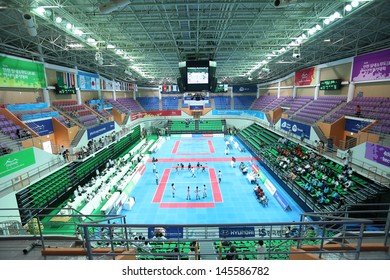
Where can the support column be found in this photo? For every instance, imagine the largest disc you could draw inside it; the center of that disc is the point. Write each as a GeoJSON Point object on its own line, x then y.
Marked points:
{"type": "Point", "coordinates": [78, 92]}
{"type": "Point", "coordinates": [46, 96]}
{"type": "Point", "coordinates": [316, 92]}
{"type": "Point", "coordinates": [279, 89]}
{"type": "Point", "coordinates": [351, 91]}
{"type": "Point", "coordinates": [78, 96]}
{"type": "Point", "coordinates": [114, 89]}
{"type": "Point", "coordinates": [317, 88]}
{"type": "Point", "coordinates": [294, 91]}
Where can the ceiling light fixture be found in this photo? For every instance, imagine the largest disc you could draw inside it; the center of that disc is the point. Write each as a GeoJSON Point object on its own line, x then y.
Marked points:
{"type": "Point", "coordinates": [355, 3]}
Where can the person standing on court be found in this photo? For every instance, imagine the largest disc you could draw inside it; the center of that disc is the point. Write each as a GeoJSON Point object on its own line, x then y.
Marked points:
{"type": "Point", "coordinates": [154, 167]}
{"type": "Point", "coordinates": [188, 193]}
{"type": "Point", "coordinates": [173, 190]}
{"type": "Point", "coordinates": [157, 178]}
{"type": "Point", "coordinates": [197, 193]}
{"type": "Point", "coordinates": [219, 176]}
{"type": "Point", "coordinates": [204, 191]}
{"type": "Point", "coordinates": [193, 172]}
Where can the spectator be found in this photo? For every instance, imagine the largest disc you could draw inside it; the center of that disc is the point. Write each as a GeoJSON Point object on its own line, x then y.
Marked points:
{"type": "Point", "coordinates": [232, 253]}
{"type": "Point", "coordinates": [358, 111]}
{"type": "Point", "coordinates": [260, 248]}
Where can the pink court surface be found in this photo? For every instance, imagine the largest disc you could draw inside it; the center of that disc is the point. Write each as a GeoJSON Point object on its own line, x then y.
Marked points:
{"type": "Point", "coordinates": [230, 200]}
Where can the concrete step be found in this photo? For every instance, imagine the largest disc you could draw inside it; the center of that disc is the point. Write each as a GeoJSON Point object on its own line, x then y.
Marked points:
{"type": "Point", "coordinates": [207, 250]}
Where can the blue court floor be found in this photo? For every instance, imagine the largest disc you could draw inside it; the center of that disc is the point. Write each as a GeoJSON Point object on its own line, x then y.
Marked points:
{"type": "Point", "coordinates": [230, 201]}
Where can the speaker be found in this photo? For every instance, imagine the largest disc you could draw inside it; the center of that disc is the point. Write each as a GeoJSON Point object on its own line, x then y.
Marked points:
{"type": "Point", "coordinates": [213, 84]}
{"type": "Point", "coordinates": [180, 84]}
{"type": "Point", "coordinates": [30, 24]}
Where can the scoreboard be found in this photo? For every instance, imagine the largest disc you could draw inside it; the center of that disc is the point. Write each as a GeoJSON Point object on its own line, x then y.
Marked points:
{"type": "Point", "coordinates": [330, 84]}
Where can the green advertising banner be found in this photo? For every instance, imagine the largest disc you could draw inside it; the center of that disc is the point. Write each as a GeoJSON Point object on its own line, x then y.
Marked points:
{"type": "Point", "coordinates": [16, 161]}
{"type": "Point", "coordinates": [20, 73]}
{"type": "Point", "coordinates": [262, 177]}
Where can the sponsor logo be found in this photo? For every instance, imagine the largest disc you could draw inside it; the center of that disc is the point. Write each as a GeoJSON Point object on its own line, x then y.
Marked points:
{"type": "Point", "coordinates": [294, 128]}
{"type": "Point", "coordinates": [10, 163]}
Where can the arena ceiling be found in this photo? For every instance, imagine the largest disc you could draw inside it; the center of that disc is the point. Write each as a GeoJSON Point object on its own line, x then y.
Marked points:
{"type": "Point", "coordinates": [143, 41]}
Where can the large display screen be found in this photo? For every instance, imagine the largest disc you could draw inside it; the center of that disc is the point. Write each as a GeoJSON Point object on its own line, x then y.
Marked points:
{"type": "Point", "coordinates": [197, 75]}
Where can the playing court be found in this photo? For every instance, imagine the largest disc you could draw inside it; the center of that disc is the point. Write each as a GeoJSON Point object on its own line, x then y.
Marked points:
{"type": "Point", "coordinates": [230, 201]}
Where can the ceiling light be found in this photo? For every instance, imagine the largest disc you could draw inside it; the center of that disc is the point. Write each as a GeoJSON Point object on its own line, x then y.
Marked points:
{"type": "Point", "coordinates": [337, 15]}
{"type": "Point", "coordinates": [58, 19]}
{"type": "Point", "coordinates": [40, 10]}
{"type": "Point", "coordinates": [69, 26]}
{"type": "Point", "coordinates": [78, 32]}
{"type": "Point", "coordinates": [326, 21]}
{"type": "Point", "coordinates": [75, 45]}
{"type": "Point", "coordinates": [91, 40]}
{"type": "Point", "coordinates": [109, 46]}
{"type": "Point", "coordinates": [348, 8]}
{"type": "Point", "coordinates": [355, 3]}
{"type": "Point", "coordinates": [318, 27]}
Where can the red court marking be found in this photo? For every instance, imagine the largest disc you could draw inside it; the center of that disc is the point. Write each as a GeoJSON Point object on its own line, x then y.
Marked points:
{"type": "Point", "coordinates": [215, 186]}
{"type": "Point", "coordinates": [186, 167]}
{"type": "Point", "coordinates": [202, 159]}
{"type": "Point", "coordinates": [192, 154]}
{"type": "Point", "coordinates": [142, 169]}
{"type": "Point", "coordinates": [211, 147]}
{"type": "Point", "coordinates": [207, 135]}
{"type": "Point", "coordinates": [187, 205]}
{"type": "Point", "coordinates": [176, 147]}
{"type": "Point", "coordinates": [161, 186]}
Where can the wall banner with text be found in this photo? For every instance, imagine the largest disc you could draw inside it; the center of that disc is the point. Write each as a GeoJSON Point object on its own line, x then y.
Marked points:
{"type": "Point", "coordinates": [21, 73]}
{"type": "Point", "coordinates": [306, 77]}
{"type": "Point", "coordinates": [372, 66]}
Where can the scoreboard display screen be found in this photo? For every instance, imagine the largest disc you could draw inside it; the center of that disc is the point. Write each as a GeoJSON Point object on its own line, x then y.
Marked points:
{"type": "Point", "coordinates": [65, 89]}
{"type": "Point", "coordinates": [330, 84]}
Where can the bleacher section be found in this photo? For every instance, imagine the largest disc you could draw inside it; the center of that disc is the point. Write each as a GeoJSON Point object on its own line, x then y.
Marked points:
{"type": "Point", "coordinates": [121, 108]}
{"type": "Point", "coordinates": [315, 110]}
{"type": "Point", "coordinates": [31, 111]}
{"type": "Point", "coordinates": [196, 126]}
{"type": "Point", "coordinates": [262, 102]}
{"type": "Point", "coordinates": [9, 128]}
{"type": "Point", "coordinates": [209, 126]}
{"type": "Point", "coordinates": [222, 102]}
{"type": "Point", "coordinates": [178, 127]}
{"type": "Point", "coordinates": [170, 103]}
{"type": "Point", "coordinates": [376, 108]}
{"type": "Point", "coordinates": [130, 104]}
{"type": "Point", "coordinates": [297, 103]}
{"type": "Point", "coordinates": [276, 103]}
{"type": "Point", "coordinates": [54, 189]}
{"type": "Point", "coordinates": [79, 113]}
{"type": "Point", "coordinates": [43, 193]}
{"type": "Point", "coordinates": [289, 161]}
{"type": "Point", "coordinates": [100, 106]}
{"type": "Point", "coordinates": [149, 103]}
{"type": "Point", "coordinates": [243, 102]}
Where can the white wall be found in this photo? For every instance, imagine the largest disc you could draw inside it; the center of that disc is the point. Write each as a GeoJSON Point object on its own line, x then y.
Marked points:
{"type": "Point", "coordinates": [9, 201]}
{"type": "Point", "coordinates": [41, 158]}
{"type": "Point", "coordinates": [358, 156]}
{"type": "Point", "coordinates": [240, 124]}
